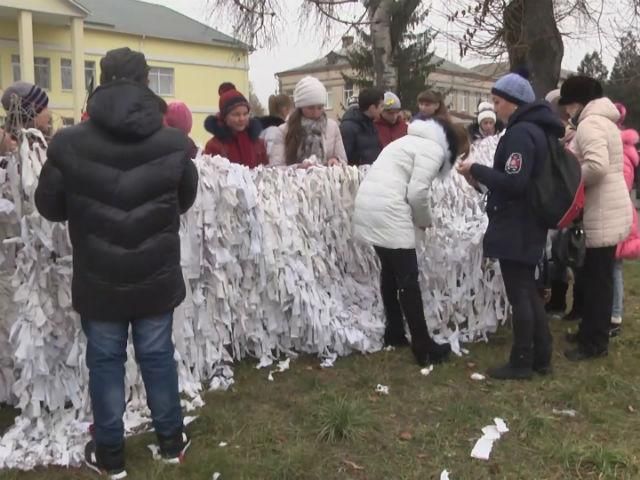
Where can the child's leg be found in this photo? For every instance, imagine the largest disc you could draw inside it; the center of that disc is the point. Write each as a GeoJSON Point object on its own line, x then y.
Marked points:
{"type": "Point", "coordinates": [618, 293]}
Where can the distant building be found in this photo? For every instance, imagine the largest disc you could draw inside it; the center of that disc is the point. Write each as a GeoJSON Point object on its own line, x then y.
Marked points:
{"type": "Point", "coordinates": [497, 69]}
{"type": "Point", "coordinates": [466, 88]}
{"type": "Point", "coordinates": [58, 44]}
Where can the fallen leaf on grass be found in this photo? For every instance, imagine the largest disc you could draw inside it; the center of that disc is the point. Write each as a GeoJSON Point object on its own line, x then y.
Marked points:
{"type": "Point", "coordinates": [471, 365]}
{"type": "Point", "coordinates": [352, 465]}
{"type": "Point", "coordinates": [406, 436]}
{"type": "Point", "coordinates": [422, 455]}
{"type": "Point", "coordinates": [631, 409]}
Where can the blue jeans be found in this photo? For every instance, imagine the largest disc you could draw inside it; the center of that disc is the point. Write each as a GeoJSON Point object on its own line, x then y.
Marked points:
{"type": "Point", "coordinates": [106, 357]}
{"type": "Point", "coordinates": [618, 290]}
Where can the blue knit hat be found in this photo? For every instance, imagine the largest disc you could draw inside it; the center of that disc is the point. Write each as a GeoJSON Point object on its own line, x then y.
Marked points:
{"type": "Point", "coordinates": [515, 88]}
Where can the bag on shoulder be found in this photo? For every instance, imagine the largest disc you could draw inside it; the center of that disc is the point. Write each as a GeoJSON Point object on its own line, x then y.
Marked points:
{"type": "Point", "coordinates": [556, 192]}
{"type": "Point", "coordinates": [569, 247]}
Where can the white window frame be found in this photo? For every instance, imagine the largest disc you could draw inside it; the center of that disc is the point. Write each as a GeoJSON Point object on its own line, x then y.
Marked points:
{"type": "Point", "coordinates": [40, 63]}
{"type": "Point", "coordinates": [15, 67]}
{"type": "Point", "coordinates": [66, 65]}
{"type": "Point", "coordinates": [348, 92]}
{"type": "Point", "coordinates": [155, 73]}
{"type": "Point", "coordinates": [89, 68]}
{"type": "Point", "coordinates": [329, 104]}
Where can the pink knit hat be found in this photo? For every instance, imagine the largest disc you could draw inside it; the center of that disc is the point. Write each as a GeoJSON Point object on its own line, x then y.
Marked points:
{"type": "Point", "coordinates": [179, 116]}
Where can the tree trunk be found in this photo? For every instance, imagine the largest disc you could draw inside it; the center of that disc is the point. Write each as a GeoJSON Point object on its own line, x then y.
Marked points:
{"type": "Point", "coordinates": [534, 41]}
{"type": "Point", "coordinates": [379, 13]}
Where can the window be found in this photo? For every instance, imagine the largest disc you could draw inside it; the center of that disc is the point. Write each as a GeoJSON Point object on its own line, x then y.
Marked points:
{"type": "Point", "coordinates": [348, 93]}
{"type": "Point", "coordinates": [89, 75]}
{"type": "Point", "coordinates": [161, 81]}
{"type": "Point", "coordinates": [42, 72]}
{"type": "Point", "coordinates": [463, 101]}
{"type": "Point", "coordinates": [15, 66]}
{"type": "Point", "coordinates": [329, 105]}
{"type": "Point", "coordinates": [66, 74]}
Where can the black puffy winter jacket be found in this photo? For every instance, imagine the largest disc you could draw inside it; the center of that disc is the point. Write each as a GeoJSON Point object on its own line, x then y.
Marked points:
{"type": "Point", "coordinates": [122, 180]}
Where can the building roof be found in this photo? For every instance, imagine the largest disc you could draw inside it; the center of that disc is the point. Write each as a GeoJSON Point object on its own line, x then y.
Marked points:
{"type": "Point", "coordinates": [338, 58]}
{"type": "Point", "coordinates": [497, 69]}
{"type": "Point", "coordinates": [141, 18]}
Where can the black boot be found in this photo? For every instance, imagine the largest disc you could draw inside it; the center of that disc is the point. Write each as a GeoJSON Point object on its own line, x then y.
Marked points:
{"type": "Point", "coordinates": [424, 348]}
{"type": "Point", "coordinates": [519, 367]}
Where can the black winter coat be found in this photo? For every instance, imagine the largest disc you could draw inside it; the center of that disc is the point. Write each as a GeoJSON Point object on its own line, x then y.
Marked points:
{"type": "Point", "coordinates": [514, 232]}
{"type": "Point", "coordinates": [122, 180]}
{"type": "Point", "coordinates": [360, 138]}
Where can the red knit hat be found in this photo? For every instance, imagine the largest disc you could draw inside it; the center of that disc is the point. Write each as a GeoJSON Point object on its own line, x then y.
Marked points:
{"type": "Point", "coordinates": [230, 98]}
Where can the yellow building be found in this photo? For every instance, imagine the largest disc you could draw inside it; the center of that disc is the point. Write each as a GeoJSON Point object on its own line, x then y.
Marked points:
{"type": "Point", "coordinates": [58, 44]}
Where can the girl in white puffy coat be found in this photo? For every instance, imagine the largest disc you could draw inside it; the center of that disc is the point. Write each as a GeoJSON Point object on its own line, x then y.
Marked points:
{"type": "Point", "coordinates": [391, 206]}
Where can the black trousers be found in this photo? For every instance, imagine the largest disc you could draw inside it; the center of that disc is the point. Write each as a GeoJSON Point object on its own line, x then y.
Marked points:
{"type": "Point", "coordinates": [532, 341]}
{"type": "Point", "coordinates": [597, 282]}
{"type": "Point", "coordinates": [402, 298]}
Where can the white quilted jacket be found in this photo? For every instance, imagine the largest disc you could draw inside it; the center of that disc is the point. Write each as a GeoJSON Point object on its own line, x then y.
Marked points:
{"type": "Point", "coordinates": [393, 198]}
{"type": "Point", "coordinates": [608, 210]}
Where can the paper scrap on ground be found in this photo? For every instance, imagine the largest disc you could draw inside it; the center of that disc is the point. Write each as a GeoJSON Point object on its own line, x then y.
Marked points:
{"type": "Point", "coordinates": [382, 389]}
{"type": "Point", "coordinates": [427, 370]}
{"type": "Point", "coordinates": [565, 413]}
{"type": "Point", "coordinates": [284, 365]}
{"type": "Point", "coordinates": [478, 377]}
{"type": "Point", "coordinates": [155, 451]}
{"type": "Point", "coordinates": [389, 348]}
{"type": "Point", "coordinates": [223, 444]}
{"type": "Point", "coordinates": [188, 420]}
{"type": "Point", "coordinates": [270, 377]}
{"type": "Point", "coordinates": [216, 476]}
{"type": "Point", "coordinates": [490, 434]}
{"type": "Point", "coordinates": [329, 360]}
{"type": "Point", "coordinates": [444, 475]}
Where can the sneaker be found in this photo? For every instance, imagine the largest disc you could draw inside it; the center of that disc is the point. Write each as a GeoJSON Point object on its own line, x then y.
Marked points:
{"type": "Point", "coordinates": [109, 464]}
{"type": "Point", "coordinates": [173, 449]}
{"type": "Point", "coordinates": [615, 329]}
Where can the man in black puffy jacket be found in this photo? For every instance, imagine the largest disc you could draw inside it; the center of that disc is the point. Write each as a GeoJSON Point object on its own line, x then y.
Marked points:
{"type": "Point", "coordinates": [359, 133]}
{"type": "Point", "coordinates": [122, 180]}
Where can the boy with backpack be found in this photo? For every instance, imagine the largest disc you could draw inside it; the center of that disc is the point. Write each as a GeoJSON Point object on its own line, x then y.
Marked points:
{"type": "Point", "coordinates": [516, 236]}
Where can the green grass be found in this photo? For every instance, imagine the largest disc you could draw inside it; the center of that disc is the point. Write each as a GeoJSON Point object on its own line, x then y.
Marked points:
{"type": "Point", "coordinates": [330, 424]}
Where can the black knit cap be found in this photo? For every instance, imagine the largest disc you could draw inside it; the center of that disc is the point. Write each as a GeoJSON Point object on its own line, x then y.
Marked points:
{"type": "Point", "coordinates": [580, 89]}
{"type": "Point", "coordinates": [124, 63]}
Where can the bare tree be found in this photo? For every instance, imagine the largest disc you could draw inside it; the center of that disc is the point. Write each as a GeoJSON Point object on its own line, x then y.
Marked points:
{"type": "Point", "coordinates": [261, 23]}
{"type": "Point", "coordinates": [531, 32]}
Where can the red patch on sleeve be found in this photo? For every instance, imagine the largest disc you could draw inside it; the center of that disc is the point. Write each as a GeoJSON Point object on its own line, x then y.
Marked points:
{"type": "Point", "coordinates": [514, 164]}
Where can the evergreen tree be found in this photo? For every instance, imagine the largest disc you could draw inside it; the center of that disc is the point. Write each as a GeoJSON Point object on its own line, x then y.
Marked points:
{"type": "Point", "coordinates": [624, 83]}
{"type": "Point", "coordinates": [593, 66]}
{"type": "Point", "coordinates": [627, 64]}
{"type": "Point", "coordinates": [413, 58]}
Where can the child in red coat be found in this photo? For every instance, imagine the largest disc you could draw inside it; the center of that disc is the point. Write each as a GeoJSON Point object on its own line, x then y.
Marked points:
{"type": "Point", "coordinates": [236, 135]}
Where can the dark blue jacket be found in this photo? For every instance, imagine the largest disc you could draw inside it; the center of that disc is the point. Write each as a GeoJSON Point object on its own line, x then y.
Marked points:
{"type": "Point", "coordinates": [514, 232]}
{"type": "Point", "coordinates": [360, 138]}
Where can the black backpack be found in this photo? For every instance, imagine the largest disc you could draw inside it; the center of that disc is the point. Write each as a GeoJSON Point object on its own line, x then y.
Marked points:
{"type": "Point", "coordinates": [556, 192]}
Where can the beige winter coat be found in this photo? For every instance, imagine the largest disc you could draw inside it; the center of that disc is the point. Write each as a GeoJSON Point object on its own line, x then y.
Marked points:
{"type": "Point", "coordinates": [608, 209]}
{"type": "Point", "coordinates": [333, 146]}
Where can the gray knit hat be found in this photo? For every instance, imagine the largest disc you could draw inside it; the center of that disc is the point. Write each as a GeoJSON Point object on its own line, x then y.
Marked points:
{"type": "Point", "coordinates": [391, 101]}
{"type": "Point", "coordinates": [31, 98]}
{"type": "Point", "coordinates": [515, 88]}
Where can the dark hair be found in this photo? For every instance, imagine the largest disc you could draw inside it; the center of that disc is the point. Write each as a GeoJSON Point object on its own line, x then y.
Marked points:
{"type": "Point", "coordinates": [370, 96]}
{"type": "Point", "coordinates": [432, 96]}
{"type": "Point", "coordinates": [279, 102]}
{"type": "Point", "coordinates": [457, 138]}
{"type": "Point", "coordinates": [293, 137]}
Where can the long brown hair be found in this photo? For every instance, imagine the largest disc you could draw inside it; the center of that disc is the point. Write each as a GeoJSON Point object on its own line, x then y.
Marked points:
{"type": "Point", "coordinates": [293, 137]}
{"type": "Point", "coordinates": [431, 96]}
